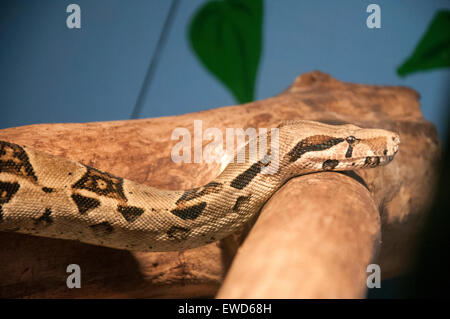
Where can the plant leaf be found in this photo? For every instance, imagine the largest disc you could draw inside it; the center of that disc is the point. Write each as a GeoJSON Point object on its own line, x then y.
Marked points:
{"type": "Point", "coordinates": [227, 38]}
{"type": "Point", "coordinates": [433, 50]}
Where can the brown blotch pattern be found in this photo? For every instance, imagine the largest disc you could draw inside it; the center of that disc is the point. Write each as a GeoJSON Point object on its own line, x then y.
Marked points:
{"type": "Point", "coordinates": [349, 152]}
{"type": "Point", "coordinates": [243, 179]}
{"type": "Point", "coordinates": [46, 219]}
{"type": "Point", "coordinates": [14, 160]}
{"type": "Point", "coordinates": [330, 164]}
{"type": "Point", "coordinates": [313, 144]}
{"type": "Point", "coordinates": [47, 190]}
{"type": "Point", "coordinates": [101, 183]}
{"type": "Point", "coordinates": [130, 213]}
{"type": "Point", "coordinates": [177, 233]}
{"type": "Point", "coordinates": [85, 204]}
{"type": "Point", "coordinates": [190, 212]}
{"type": "Point", "coordinates": [191, 194]}
{"type": "Point", "coordinates": [7, 191]}
{"type": "Point", "coordinates": [240, 201]}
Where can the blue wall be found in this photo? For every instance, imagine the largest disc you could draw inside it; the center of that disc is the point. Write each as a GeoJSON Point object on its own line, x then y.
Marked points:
{"type": "Point", "coordinates": [52, 74]}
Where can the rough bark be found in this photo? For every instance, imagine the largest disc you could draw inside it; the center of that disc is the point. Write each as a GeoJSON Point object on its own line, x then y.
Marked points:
{"type": "Point", "coordinates": [347, 235]}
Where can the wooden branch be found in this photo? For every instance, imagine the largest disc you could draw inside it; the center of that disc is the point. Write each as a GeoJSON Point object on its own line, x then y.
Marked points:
{"type": "Point", "coordinates": [140, 150]}
{"type": "Point", "coordinates": [313, 239]}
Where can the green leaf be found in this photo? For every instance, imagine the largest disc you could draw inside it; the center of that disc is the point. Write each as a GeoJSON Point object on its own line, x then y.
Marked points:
{"type": "Point", "coordinates": [433, 50]}
{"type": "Point", "coordinates": [227, 38]}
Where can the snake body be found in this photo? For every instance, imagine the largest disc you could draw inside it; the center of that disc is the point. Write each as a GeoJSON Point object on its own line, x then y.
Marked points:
{"type": "Point", "coordinates": [49, 196]}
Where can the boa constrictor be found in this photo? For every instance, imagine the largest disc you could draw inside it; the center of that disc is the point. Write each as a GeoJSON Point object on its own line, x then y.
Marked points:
{"type": "Point", "coordinates": [49, 196]}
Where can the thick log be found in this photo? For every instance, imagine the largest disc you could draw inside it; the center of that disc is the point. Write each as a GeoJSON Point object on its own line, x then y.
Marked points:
{"type": "Point", "coordinates": [140, 150]}
{"type": "Point", "coordinates": [316, 246]}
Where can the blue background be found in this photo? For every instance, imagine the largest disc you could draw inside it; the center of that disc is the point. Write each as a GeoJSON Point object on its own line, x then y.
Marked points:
{"type": "Point", "coordinates": [50, 73]}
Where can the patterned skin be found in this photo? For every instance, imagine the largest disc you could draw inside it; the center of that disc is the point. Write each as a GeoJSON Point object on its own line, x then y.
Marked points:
{"type": "Point", "coordinates": [45, 195]}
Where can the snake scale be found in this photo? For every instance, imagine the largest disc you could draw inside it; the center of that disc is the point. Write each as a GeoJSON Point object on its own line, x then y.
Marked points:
{"type": "Point", "coordinates": [49, 196]}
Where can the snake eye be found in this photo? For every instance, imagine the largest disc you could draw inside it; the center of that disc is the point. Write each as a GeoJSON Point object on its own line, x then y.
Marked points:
{"type": "Point", "coordinates": [350, 139]}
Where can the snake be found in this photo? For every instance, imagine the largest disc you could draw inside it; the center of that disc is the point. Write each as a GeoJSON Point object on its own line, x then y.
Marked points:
{"type": "Point", "coordinates": [50, 196]}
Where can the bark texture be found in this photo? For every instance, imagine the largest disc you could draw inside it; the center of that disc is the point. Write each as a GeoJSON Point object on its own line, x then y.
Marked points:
{"type": "Point", "coordinates": [314, 238]}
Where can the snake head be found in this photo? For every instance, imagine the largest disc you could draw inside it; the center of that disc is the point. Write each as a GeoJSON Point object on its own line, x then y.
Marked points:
{"type": "Point", "coordinates": [316, 146]}
{"type": "Point", "coordinates": [370, 147]}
